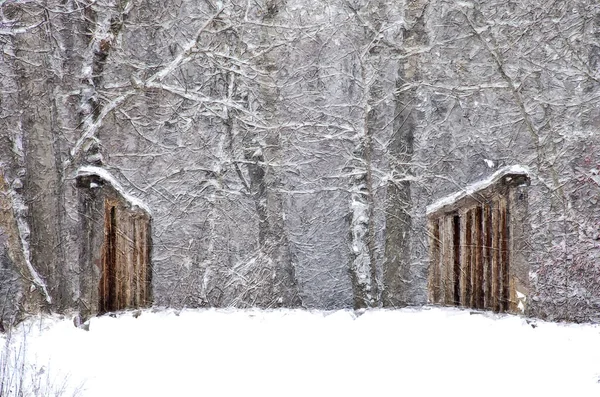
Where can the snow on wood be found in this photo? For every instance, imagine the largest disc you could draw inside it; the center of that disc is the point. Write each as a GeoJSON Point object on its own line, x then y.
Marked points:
{"type": "Point", "coordinates": [517, 170]}
{"type": "Point", "coordinates": [108, 178]}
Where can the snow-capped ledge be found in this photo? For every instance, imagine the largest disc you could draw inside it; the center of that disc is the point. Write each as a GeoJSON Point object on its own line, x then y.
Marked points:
{"type": "Point", "coordinates": [505, 172]}
{"type": "Point", "coordinates": [107, 177]}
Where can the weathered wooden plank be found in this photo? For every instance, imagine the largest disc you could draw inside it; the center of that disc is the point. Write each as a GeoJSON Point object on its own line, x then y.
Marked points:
{"type": "Point", "coordinates": [478, 258]}
{"type": "Point", "coordinates": [147, 265]}
{"type": "Point", "coordinates": [128, 259]}
{"type": "Point", "coordinates": [471, 262]}
{"type": "Point", "coordinates": [108, 292]}
{"type": "Point", "coordinates": [456, 244]}
{"type": "Point", "coordinates": [488, 253]}
{"type": "Point", "coordinates": [144, 263]}
{"type": "Point", "coordinates": [119, 264]}
{"type": "Point", "coordinates": [504, 256]}
{"type": "Point", "coordinates": [465, 259]}
{"type": "Point", "coordinates": [434, 261]}
{"type": "Point", "coordinates": [448, 259]}
{"type": "Point", "coordinates": [518, 235]}
{"type": "Point", "coordinates": [495, 256]}
{"type": "Point", "coordinates": [135, 287]}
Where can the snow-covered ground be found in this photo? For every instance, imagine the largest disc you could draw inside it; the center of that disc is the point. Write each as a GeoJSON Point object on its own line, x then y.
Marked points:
{"type": "Point", "coordinates": [410, 352]}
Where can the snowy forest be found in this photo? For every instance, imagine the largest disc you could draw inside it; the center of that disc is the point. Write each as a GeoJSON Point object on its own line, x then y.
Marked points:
{"type": "Point", "coordinates": [286, 151]}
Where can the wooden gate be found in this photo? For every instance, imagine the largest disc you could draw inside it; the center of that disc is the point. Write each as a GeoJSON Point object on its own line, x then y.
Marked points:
{"type": "Point", "coordinates": [476, 244]}
{"type": "Point", "coordinates": [470, 257]}
{"type": "Point", "coordinates": [126, 276]}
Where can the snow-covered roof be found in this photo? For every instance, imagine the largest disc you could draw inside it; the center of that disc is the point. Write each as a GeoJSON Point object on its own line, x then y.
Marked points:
{"type": "Point", "coordinates": [110, 179]}
{"type": "Point", "coordinates": [513, 170]}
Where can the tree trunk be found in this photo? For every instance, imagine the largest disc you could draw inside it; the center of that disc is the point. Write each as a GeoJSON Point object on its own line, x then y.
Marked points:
{"type": "Point", "coordinates": [397, 272]}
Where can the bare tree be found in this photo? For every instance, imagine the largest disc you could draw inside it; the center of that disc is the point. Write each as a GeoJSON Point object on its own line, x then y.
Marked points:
{"type": "Point", "coordinates": [288, 149]}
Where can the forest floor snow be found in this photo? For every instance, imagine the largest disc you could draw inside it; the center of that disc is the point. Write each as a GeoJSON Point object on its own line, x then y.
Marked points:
{"type": "Point", "coordinates": [408, 352]}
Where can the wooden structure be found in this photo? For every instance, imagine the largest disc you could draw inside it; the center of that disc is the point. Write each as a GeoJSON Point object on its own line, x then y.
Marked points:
{"type": "Point", "coordinates": [116, 271]}
{"type": "Point", "coordinates": [476, 244]}
{"type": "Point", "coordinates": [22, 289]}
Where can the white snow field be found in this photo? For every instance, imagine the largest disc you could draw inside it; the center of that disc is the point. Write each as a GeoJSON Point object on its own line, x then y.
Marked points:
{"type": "Point", "coordinates": [409, 352]}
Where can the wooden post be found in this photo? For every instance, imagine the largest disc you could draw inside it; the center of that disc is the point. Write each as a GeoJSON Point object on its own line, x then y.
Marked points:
{"type": "Point", "coordinates": [435, 285]}
{"type": "Point", "coordinates": [488, 230]}
{"type": "Point", "coordinates": [456, 240]}
{"type": "Point", "coordinates": [447, 259]}
{"type": "Point", "coordinates": [496, 255]}
{"type": "Point", "coordinates": [477, 277]}
{"type": "Point", "coordinates": [504, 257]}
{"type": "Point", "coordinates": [465, 259]}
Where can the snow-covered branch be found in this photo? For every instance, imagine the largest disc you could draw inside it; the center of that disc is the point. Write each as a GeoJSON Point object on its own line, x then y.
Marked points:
{"type": "Point", "coordinates": [186, 53]}
{"type": "Point", "coordinates": [95, 123]}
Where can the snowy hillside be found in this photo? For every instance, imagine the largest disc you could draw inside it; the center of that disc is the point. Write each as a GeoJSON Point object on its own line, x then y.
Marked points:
{"type": "Point", "coordinates": [425, 352]}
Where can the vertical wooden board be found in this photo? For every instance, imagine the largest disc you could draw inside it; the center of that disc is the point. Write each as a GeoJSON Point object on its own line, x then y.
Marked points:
{"type": "Point", "coordinates": [518, 264]}
{"type": "Point", "coordinates": [465, 258]}
{"type": "Point", "coordinates": [143, 266]}
{"type": "Point", "coordinates": [147, 263]}
{"type": "Point", "coordinates": [488, 231]}
{"type": "Point", "coordinates": [495, 256]}
{"type": "Point", "coordinates": [142, 248]}
{"type": "Point", "coordinates": [504, 256]}
{"type": "Point", "coordinates": [129, 258]}
{"type": "Point", "coordinates": [478, 258]}
{"type": "Point", "coordinates": [430, 275]}
{"type": "Point", "coordinates": [432, 263]}
{"type": "Point", "coordinates": [123, 259]}
{"type": "Point", "coordinates": [114, 277]}
{"type": "Point", "coordinates": [439, 265]}
{"type": "Point", "coordinates": [434, 278]}
{"type": "Point", "coordinates": [146, 269]}
{"type": "Point", "coordinates": [438, 257]}
{"type": "Point", "coordinates": [135, 263]}
{"type": "Point", "coordinates": [103, 255]}
{"type": "Point", "coordinates": [106, 258]}
{"type": "Point", "coordinates": [448, 259]}
{"type": "Point", "coordinates": [443, 261]}
{"type": "Point", "coordinates": [142, 260]}
{"type": "Point", "coordinates": [482, 253]}
{"type": "Point", "coordinates": [104, 292]}
{"type": "Point", "coordinates": [457, 254]}
{"type": "Point", "coordinates": [119, 266]}
{"type": "Point", "coordinates": [112, 273]}
{"type": "Point", "coordinates": [472, 256]}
